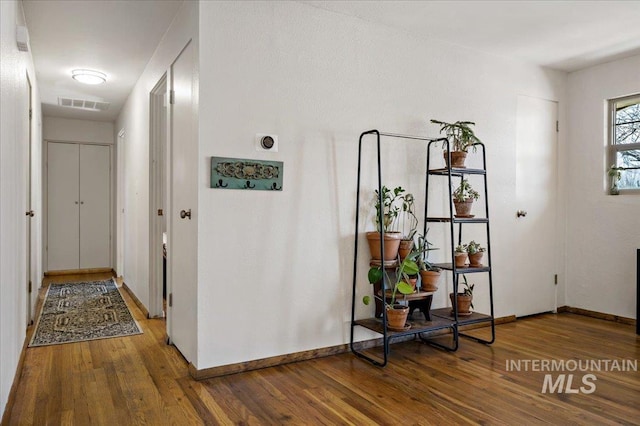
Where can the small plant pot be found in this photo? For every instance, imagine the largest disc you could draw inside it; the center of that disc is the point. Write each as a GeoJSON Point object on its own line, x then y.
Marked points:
{"type": "Point", "coordinates": [475, 260]}
{"type": "Point", "coordinates": [464, 303]}
{"type": "Point", "coordinates": [463, 208]}
{"type": "Point", "coordinates": [397, 317]}
{"type": "Point", "coordinates": [413, 282]}
{"type": "Point", "coordinates": [429, 280]}
{"type": "Point", "coordinates": [391, 245]}
{"type": "Point", "coordinates": [405, 248]}
{"type": "Point", "coordinates": [461, 260]}
{"type": "Point", "coordinates": [457, 159]}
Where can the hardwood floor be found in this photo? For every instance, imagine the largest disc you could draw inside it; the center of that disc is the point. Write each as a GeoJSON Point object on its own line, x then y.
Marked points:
{"type": "Point", "coordinates": [140, 380]}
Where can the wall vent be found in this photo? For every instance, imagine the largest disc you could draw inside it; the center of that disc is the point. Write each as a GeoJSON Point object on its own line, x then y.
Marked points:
{"type": "Point", "coordinates": [83, 104]}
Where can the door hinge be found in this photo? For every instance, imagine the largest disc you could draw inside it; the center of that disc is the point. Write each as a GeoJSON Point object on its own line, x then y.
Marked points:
{"type": "Point", "coordinates": [30, 113]}
{"type": "Point", "coordinates": [170, 299]}
{"type": "Point", "coordinates": [172, 97]}
{"type": "Point", "coordinates": [557, 126]}
{"type": "Point", "coordinates": [29, 286]}
{"type": "Point", "coordinates": [555, 279]}
{"type": "Point", "coordinates": [160, 212]}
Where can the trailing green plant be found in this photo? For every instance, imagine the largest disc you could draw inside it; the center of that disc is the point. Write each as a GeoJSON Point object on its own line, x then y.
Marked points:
{"type": "Point", "coordinates": [421, 250]}
{"type": "Point", "coordinates": [409, 220]}
{"type": "Point", "coordinates": [401, 285]}
{"type": "Point", "coordinates": [465, 192]}
{"type": "Point", "coordinates": [473, 247]}
{"type": "Point", "coordinates": [460, 134]}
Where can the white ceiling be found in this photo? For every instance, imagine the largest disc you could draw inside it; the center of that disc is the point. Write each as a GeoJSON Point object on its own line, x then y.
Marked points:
{"type": "Point", "coordinates": [115, 37]}
{"type": "Point", "coordinates": [119, 37]}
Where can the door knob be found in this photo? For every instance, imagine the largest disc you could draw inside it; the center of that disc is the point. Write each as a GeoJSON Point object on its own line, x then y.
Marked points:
{"type": "Point", "coordinates": [521, 213]}
{"type": "Point", "coordinates": [184, 214]}
{"type": "Point", "coordinates": [30, 213]}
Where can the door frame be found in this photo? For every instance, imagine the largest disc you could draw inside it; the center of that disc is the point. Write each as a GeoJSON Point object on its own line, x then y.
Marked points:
{"type": "Point", "coordinates": [158, 132]}
{"type": "Point", "coordinates": [120, 203]}
{"type": "Point", "coordinates": [29, 206]}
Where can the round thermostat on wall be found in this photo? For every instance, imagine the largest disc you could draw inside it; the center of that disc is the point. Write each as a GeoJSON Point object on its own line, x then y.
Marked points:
{"type": "Point", "coordinates": [266, 142]}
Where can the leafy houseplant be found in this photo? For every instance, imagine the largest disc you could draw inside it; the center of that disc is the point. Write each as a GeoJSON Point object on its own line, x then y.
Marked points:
{"type": "Point", "coordinates": [461, 137]}
{"type": "Point", "coordinates": [389, 208]}
{"type": "Point", "coordinates": [407, 223]}
{"type": "Point", "coordinates": [396, 313]}
{"type": "Point", "coordinates": [464, 299]}
{"type": "Point", "coordinates": [463, 198]}
{"type": "Point", "coordinates": [615, 174]}
{"type": "Point", "coordinates": [461, 256]}
{"type": "Point", "coordinates": [429, 274]}
{"type": "Point", "coordinates": [475, 252]}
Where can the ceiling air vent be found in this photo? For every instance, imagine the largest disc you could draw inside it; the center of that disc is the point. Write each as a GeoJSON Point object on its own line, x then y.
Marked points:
{"type": "Point", "coordinates": [83, 104]}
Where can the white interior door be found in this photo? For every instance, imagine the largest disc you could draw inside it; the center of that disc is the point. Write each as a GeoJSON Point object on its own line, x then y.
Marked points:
{"type": "Point", "coordinates": [63, 213]}
{"type": "Point", "coordinates": [536, 194]}
{"type": "Point", "coordinates": [120, 197]}
{"type": "Point", "coordinates": [182, 241]}
{"type": "Point", "coordinates": [29, 211]}
{"type": "Point", "coordinates": [95, 212]}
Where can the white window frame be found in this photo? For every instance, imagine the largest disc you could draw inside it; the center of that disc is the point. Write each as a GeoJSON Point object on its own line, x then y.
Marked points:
{"type": "Point", "coordinates": [612, 147]}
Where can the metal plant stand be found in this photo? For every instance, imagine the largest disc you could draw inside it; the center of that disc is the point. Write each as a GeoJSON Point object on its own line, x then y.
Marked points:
{"type": "Point", "coordinates": [438, 319]}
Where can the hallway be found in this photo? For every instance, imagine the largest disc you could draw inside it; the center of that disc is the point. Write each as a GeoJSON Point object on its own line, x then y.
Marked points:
{"type": "Point", "coordinates": [141, 380]}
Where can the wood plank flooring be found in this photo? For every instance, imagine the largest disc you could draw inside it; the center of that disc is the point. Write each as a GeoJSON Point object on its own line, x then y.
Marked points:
{"type": "Point", "coordinates": [140, 380]}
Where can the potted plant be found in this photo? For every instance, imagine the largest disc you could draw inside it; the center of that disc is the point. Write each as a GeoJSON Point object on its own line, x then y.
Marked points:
{"type": "Point", "coordinates": [389, 208]}
{"type": "Point", "coordinates": [396, 313]}
{"type": "Point", "coordinates": [475, 252]}
{"type": "Point", "coordinates": [408, 223]}
{"type": "Point", "coordinates": [460, 255]}
{"type": "Point", "coordinates": [615, 175]}
{"type": "Point", "coordinates": [463, 198]}
{"type": "Point", "coordinates": [461, 137]}
{"type": "Point", "coordinates": [429, 274]}
{"type": "Point", "coordinates": [464, 299]}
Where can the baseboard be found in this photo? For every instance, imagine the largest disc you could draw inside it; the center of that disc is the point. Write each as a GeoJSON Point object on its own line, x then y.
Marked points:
{"type": "Point", "coordinates": [594, 314]}
{"type": "Point", "coordinates": [224, 370]}
{"type": "Point", "coordinates": [78, 271]}
{"type": "Point", "coordinates": [137, 301]}
{"type": "Point", "coordinates": [16, 379]}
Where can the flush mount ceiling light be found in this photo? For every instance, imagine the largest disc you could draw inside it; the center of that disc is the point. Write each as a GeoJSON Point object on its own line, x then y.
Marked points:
{"type": "Point", "coordinates": [89, 76]}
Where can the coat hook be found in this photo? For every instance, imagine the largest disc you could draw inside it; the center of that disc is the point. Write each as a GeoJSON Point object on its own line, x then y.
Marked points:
{"type": "Point", "coordinates": [274, 187]}
{"type": "Point", "coordinates": [249, 185]}
{"type": "Point", "coordinates": [221, 184]}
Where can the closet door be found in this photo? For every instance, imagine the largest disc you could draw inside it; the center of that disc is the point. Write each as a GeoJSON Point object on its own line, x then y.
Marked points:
{"type": "Point", "coordinates": [63, 230]}
{"type": "Point", "coordinates": [95, 214]}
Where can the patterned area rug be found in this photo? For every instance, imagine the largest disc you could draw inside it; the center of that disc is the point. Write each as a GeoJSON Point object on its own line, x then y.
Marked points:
{"type": "Point", "coordinates": [75, 312]}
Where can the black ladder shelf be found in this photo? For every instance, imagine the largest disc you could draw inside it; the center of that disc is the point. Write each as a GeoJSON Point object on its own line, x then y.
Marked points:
{"type": "Point", "coordinates": [437, 319]}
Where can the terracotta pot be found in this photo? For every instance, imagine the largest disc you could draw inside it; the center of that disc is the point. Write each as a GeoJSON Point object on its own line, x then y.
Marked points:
{"type": "Point", "coordinates": [461, 260]}
{"type": "Point", "coordinates": [463, 208]}
{"type": "Point", "coordinates": [475, 260]}
{"type": "Point", "coordinates": [413, 282]}
{"type": "Point", "coordinates": [397, 317]}
{"type": "Point", "coordinates": [429, 280]}
{"type": "Point", "coordinates": [405, 248]}
{"type": "Point", "coordinates": [391, 245]}
{"type": "Point", "coordinates": [464, 303]}
{"type": "Point", "coordinates": [457, 159]}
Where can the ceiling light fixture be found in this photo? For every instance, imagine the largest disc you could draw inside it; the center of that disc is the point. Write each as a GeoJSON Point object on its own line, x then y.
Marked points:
{"type": "Point", "coordinates": [89, 76]}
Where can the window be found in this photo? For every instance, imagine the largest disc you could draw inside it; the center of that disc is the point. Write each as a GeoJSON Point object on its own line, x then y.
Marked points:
{"type": "Point", "coordinates": [624, 140]}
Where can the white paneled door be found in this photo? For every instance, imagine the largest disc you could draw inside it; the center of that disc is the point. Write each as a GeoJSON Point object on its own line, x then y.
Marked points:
{"type": "Point", "coordinates": [78, 196]}
{"type": "Point", "coordinates": [536, 205]}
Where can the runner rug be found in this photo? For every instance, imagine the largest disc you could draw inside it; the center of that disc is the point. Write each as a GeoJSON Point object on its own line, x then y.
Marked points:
{"type": "Point", "coordinates": [75, 312]}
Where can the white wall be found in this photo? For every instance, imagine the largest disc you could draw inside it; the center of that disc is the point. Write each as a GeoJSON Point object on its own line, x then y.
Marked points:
{"type": "Point", "coordinates": [134, 119]}
{"type": "Point", "coordinates": [275, 267]}
{"type": "Point", "coordinates": [603, 231]}
{"type": "Point", "coordinates": [14, 67]}
{"type": "Point", "coordinates": [57, 129]}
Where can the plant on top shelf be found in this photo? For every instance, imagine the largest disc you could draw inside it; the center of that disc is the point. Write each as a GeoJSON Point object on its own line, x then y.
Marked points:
{"type": "Point", "coordinates": [463, 198]}
{"type": "Point", "coordinates": [464, 299]}
{"type": "Point", "coordinates": [429, 273]}
{"type": "Point", "coordinates": [396, 313]}
{"type": "Point", "coordinates": [461, 254]}
{"type": "Point", "coordinates": [475, 252]}
{"type": "Point", "coordinates": [461, 137]}
{"type": "Point", "coordinates": [615, 173]}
